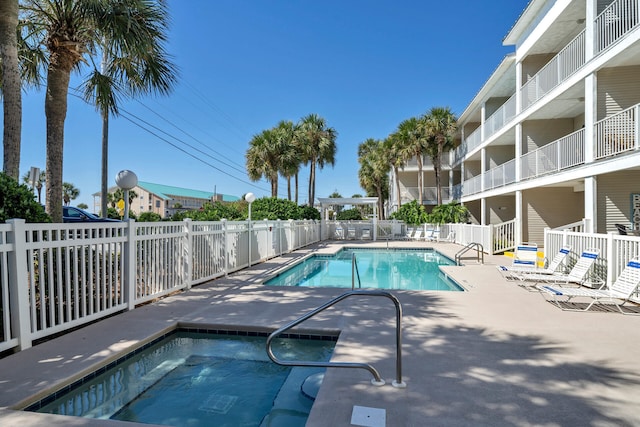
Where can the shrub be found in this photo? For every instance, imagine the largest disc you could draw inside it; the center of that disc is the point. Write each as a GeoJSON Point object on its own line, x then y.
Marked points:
{"type": "Point", "coordinates": [273, 208]}
{"type": "Point", "coordinates": [309, 212]}
{"type": "Point", "coordinates": [349, 215]}
{"type": "Point", "coordinates": [18, 201]}
{"type": "Point", "coordinates": [411, 213]}
{"type": "Point", "coordinates": [149, 217]}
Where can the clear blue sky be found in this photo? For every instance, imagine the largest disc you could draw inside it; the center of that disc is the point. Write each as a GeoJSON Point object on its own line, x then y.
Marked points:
{"type": "Point", "coordinates": [363, 65]}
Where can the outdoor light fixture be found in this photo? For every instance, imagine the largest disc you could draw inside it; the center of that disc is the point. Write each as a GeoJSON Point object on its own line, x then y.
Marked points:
{"type": "Point", "coordinates": [126, 180]}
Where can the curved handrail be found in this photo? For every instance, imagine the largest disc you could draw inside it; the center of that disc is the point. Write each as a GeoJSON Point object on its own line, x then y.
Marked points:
{"type": "Point", "coordinates": [479, 251]}
{"type": "Point", "coordinates": [355, 272]}
{"type": "Point", "coordinates": [377, 380]}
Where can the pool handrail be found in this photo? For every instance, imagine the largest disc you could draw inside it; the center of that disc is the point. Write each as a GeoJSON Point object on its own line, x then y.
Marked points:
{"type": "Point", "coordinates": [355, 272]}
{"type": "Point", "coordinates": [377, 380]}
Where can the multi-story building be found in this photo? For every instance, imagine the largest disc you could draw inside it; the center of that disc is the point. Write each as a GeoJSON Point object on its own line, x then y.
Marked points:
{"type": "Point", "coordinates": [552, 136]}
{"type": "Point", "coordinates": [165, 200]}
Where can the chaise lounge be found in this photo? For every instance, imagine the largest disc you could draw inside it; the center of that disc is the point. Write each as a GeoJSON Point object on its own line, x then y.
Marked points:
{"type": "Point", "coordinates": [620, 292]}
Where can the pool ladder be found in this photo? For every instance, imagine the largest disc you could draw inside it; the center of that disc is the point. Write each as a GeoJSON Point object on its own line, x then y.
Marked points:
{"type": "Point", "coordinates": [355, 273]}
{"type": "Point", "coordinates": [377, 379]}
{"type": "Point", "coordinates": [479, 252]}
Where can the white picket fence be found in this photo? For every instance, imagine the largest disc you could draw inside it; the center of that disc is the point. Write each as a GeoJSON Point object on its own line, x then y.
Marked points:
{"type": "Point", "coordinates": [54, 277]}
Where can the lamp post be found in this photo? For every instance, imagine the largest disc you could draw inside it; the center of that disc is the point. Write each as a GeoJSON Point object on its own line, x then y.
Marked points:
{"type": "Point", "coordinates": [126, 180]}
{"type": "Point", "coordinates": [249, 198]}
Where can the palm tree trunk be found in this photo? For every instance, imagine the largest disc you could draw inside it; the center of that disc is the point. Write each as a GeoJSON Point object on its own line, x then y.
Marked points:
{"type": "Point", "coordinates": [312, 183]}
{"type": "Point", "coordinates": [289, 188]}
{"type": "Point", "coordinates": [395, 172]}
{"type": "Point", "coordinates": [104, 186]}
{"type": "Point", "coordinates": [296, 189]}
{"type": "Point", "coordinates": [437, 166]}
{"type": "Point", "coordinates": [11, 95]}
{"type": "Point", "coordinates": [55, 108]}
{"type": "Point", "coordinates": [380, 203]}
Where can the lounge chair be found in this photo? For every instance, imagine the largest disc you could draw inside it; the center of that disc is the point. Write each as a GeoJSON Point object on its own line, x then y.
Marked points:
{"type": "Point", "coordinates": [417, 235]}
{"type": "Point", "coordinates": [525, 257]}
{"type": "Point", "coordinates": [553, 267]}
{"type": "Point", "coordinates": [409, 234]}
{"type": "Point", "coordinates": [434, 236]}
{"type": "Point", "coordinates": [451, 237]}
{"type": "Point", "coordinates": [618, 294]}
{"type": "Point", "coordinates": [579, 274]}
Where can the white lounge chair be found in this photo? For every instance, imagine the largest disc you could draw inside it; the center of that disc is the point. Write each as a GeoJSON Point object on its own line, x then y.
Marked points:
{"type": "Point", "coordinates": [451, 237]}
{"type": "Point", "coordinates": [409, 234]}
{"type": "Point", "coordinates": [579, 274]}
{"type": "Point", "coordinates": [525, 257]}
{"type": "Point", "coordinates": [417, 235]}
{"type": "Point", "coordinates": [618, 294]}
{"type": "Point", "coordinates": [434, 236]}
{"type": "Point", "coordinates": [553, 267]}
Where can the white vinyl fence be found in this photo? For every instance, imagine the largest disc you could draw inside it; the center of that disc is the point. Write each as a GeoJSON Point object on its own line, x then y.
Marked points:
{"type": "Point", "coordinates": [54, 277]}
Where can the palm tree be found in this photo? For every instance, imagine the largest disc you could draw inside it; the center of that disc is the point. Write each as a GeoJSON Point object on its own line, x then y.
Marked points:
{"type": "Point", "coordinates": [11, 86]}
{"type": "Point", "coordinates": [374, 171]}
{"type": "Point", "coordinates": [69, 192]}
{"type": "Point", "coordinates": [26, 178]}
{"type": "Point", "coordinates": [318, 144]}
{"type": "Point", "coordinates": [397, 157]}
{"type": "Point", "coordinates": [290, 156]}
{"type": "Point", "coordinates": [410, 135]}
{"type": "Point", "coordinates": [263, 158]}
{"type": "Point", "coordinates": [440, 125]}
{"type": "Point", "coordinates": [128, 32]}
{"type": "Point", "coordinates": [134, 64]}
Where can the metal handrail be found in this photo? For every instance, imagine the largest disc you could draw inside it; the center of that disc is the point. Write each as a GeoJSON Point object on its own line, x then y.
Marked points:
{"type": "Point", "coordinates": [479, 251]}
{"type": "Point", "coordinates": [377, 380]}
{"type": "Point", "coordinates": [355, 272]}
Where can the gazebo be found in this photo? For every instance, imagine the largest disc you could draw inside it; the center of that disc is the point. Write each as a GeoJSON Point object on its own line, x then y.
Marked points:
{"type": "Point", "coordinates": [326, 203]}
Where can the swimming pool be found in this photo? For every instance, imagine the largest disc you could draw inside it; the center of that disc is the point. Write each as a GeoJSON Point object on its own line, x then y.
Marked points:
{"type": "Point", "coordinates": [199, 379]}
{"type": "Point", "coordinates": [412, 269]}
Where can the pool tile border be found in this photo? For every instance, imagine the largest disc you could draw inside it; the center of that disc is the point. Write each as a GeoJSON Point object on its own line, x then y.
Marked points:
{"type": "Point", "coordinates": [214, 331]}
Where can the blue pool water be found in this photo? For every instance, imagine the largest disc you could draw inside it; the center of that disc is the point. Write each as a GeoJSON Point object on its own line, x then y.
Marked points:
{"type": "Point", "coordinates": [197, 380]}
{"type": "Point", "coordinates": [378, 268]}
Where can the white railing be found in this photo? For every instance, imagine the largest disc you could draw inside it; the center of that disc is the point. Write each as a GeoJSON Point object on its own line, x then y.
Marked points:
{"type": "Point", "coordinates": [615, 21]}
{"type": "Point", "coordinates": [470, 143]}
{"type": "Point", "coordinates": [578, 226]}
{"type": "Point", "coordinates": [504, 236]}
{"type": "Point", "coordinates": [617, 134]}
{"type": "Point", "coordinates": [500, 117]}
{"type": "Point", "coordinates": [429, 195]}
{"type": "Point", "coordinates": [563, 65]}
{"type": "Point", "coordinates": [501, 175]}
{"type": "Point", "coordinates": [560, 154]}
{"type": "Point", "coordinates": [427, 162]}
{"type": "Point", "coordinates": [472, 185]}
{"type": "Point", "coordinates": [54, 277]}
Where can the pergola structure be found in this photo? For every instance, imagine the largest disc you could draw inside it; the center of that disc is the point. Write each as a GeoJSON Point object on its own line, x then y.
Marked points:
{"type": "Point", "coordinates": [326, 203]}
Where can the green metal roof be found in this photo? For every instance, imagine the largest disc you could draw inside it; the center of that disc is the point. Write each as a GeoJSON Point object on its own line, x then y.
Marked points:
{"type": "Point", "coordinates": [169, 192]}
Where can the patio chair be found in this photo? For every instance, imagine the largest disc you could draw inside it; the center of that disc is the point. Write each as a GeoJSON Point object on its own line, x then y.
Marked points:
{"type": "Point", "coordinates": [622, 229]}
{"type": "Point", "coordinates": [579, 274]}
{"type": "Point", "coordinates": [553, 267]}
{"type": "Point", "coordinates": [409, 234]}
{"type": "Point", "coordinates": [451, 237]}
{"type": "Point", "coordinates": [434, 236]}
{"type": "Point", "coordinates": [618, 294]}
{"type": "Point", "coordinates": [417, 235]}
{"type": "Point", "coordinates": [525, 257]}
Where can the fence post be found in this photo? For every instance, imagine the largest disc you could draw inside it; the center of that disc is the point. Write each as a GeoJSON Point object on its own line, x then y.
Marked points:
{"type": "Point", "coordinates": [188, 252]}
{"type": "Point", "coordinates": [611, 257]}
{"type": "Point", "coordinates": [19, 284]}
{"type": "Point", "coordinates": [129, 276]}
{"type": "Point", "coordinates": [225, 253]}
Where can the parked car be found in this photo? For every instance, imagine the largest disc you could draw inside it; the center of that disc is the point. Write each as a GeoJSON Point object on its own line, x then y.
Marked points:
{"type": "Point", "coordinates": [73, 214]}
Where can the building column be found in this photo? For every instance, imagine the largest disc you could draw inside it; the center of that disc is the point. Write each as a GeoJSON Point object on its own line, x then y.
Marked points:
{"type": "Point", "coordinates": [518, 151]}
{"type": "Point", "coordinates": [590, 203]}
{"type": "Point", "coordinates": [519, 220]}
{"type": "Point", "coordinates": [483, 211]}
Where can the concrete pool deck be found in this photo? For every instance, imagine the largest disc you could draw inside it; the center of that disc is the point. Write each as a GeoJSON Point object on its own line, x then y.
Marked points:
{"type": "Point", "coordinates": [496, 355]}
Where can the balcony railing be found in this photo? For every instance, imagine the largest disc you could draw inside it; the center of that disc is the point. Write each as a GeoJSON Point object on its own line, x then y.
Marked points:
{"type": "Point", "coordinates": [617, 134]}
{"type": "Point", "coordinates": [615, 21]}
{"type": "Point", "coordinates": [472, 185]}
{"type": "Point", "coordinates": [563, 153]}
{"type": "Point", "coordinates": [564, 64]}
{"type": "Point", "coordinates": [500, 175]}
{"type": "Point", "coordinates": [429, 194]}
{"type": "Point", "coordinates": [497, 120]}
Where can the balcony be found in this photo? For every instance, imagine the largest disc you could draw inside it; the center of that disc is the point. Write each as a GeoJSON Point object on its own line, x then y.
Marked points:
{"type": "Point", "coordinates": [610, 26]}
{"type": "Point", "coordinates": [613, 136]}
